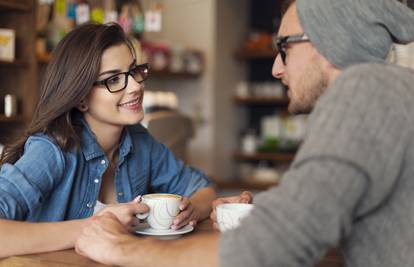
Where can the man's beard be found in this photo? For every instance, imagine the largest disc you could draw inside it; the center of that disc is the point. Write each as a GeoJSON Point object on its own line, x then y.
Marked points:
{"type": "Point", "coordinates": [310, 87]}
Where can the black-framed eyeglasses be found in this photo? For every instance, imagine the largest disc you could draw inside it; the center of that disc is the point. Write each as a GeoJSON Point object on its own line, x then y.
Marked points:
{"type": "Point", "coordinates": [281, 42]}
{"type": "Point", "coordinates": [119, 81]}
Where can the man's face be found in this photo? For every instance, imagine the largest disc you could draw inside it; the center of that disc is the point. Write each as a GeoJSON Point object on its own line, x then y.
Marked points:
{"type": "Point", "coordinates": [304, 69]}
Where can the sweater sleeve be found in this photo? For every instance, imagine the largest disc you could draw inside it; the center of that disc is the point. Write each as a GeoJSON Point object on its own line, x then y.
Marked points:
{"type": "Point", "coordinates": [345, 169]}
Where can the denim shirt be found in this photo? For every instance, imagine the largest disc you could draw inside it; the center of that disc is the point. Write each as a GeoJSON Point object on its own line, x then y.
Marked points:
{"type": "Point", "coordinates": [48, 184]}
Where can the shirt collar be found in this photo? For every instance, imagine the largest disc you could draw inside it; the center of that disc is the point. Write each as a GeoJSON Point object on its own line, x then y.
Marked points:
{"type": "Point", "coordinates": [91, 149]}
{"type": "Point", "coordinates": [126, 146]}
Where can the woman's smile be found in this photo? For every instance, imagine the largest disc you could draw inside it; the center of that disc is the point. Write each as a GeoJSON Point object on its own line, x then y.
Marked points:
{"type": "Point", "coordinates": [135, 104]}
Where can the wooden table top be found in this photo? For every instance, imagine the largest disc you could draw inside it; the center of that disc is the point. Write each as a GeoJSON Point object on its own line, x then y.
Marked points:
{"type": "Point", "coordinates": [66, 258]}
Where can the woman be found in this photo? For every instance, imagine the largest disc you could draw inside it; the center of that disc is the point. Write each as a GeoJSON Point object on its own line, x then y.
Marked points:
{"type": "Point", "coordinates": [85, 150]}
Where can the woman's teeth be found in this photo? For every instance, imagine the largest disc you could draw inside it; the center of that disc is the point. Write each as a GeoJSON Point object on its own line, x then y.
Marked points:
{"type": "Point", "coordinates": [130, 103]}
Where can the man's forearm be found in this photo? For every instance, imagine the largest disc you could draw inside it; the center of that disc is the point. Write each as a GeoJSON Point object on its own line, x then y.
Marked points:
{"type": "Point", "coordinates": [200, 251]}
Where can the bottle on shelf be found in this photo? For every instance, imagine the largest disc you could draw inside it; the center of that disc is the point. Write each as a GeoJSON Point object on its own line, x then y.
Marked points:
{"type": "Point", "coordinates": [249, 142]}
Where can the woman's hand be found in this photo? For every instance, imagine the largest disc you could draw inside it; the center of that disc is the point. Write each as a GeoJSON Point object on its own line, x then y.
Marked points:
{"type": "Point", "coordinates": [188, 215]}
{"type": "Point", "coordinates": [126, 212]}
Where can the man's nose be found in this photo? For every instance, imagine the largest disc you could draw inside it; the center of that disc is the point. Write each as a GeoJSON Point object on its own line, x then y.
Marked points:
{"type": "Point", "coordinates": [278, 67]}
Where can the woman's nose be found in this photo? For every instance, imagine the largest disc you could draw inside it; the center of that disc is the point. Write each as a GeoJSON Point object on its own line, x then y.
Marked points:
{"type": "Point", "coordinates": [133, 85]}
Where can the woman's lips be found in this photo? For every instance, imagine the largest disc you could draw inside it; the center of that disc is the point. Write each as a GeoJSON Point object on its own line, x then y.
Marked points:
{"type": "Point", "coordinates": [133, 104]}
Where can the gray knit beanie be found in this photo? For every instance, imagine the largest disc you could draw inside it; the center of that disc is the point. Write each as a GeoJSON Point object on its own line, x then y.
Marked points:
{"type": "Point", "coordinates": [348, 32]}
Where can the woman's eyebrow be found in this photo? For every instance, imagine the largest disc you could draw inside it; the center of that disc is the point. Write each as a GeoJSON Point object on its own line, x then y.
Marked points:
{"type": "Point", "coordinates": [116, 70]}
{"type": "Point", "coordinates": [109, 72]}
{"type": "Point", "coordinates": [132, 64]}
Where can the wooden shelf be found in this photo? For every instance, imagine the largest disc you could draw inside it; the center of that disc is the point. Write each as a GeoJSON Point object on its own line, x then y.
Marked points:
{"type": "Point", "coordinates": [44, 59]}
{"type": "Point", "coordinates": [19, 77]}
{"type": "Point", "coordinates": [256, 54]}
{"type": "Point", "coordinates": [17, 118]}
{"type": "Point", "coordinates": [166, 73]}
{"type": "Point", "coordinates": [261, 100]}
{"type": "Point", "coordinates": [15, 63]}
{"type": "Point", "coordinates": [275, 157]}
{"type": "Point", "coordinates": [12, 6]}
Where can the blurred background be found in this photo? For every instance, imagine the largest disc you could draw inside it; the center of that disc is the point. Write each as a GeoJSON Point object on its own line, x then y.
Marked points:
{"type": "Point", "coordinates": [210, 97]}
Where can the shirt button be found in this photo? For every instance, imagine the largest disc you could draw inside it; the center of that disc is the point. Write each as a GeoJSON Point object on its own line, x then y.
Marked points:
{"type": "Point", "coordinates": [120, 194]}
{"type": "Point", "coordinates": [89, 205]}
{"type": "Point", "coordinates": [103, 162]}
{"type": "Point", "coordinates": [96, 181]}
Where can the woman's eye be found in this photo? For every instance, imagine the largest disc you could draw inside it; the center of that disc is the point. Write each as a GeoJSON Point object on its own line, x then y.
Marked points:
{"type": "Point", "coordinates": [134, 71]}
{"type": "Point", "coordinates": [113, 80]}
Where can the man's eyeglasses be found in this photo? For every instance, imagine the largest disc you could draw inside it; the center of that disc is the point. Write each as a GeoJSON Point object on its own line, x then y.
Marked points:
{"type": "Point", "coordinates": [119, 81]}
{"type": "Point", "coordinates": [281, 42]}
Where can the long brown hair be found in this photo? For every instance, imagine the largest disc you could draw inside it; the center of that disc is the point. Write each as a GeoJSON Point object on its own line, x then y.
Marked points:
{"type": "Point", "coordinates": [69, 77]}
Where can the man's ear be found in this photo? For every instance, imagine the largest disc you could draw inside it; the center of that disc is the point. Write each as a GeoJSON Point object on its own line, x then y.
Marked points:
{"type": "Point", "coordinates": [82, 106]}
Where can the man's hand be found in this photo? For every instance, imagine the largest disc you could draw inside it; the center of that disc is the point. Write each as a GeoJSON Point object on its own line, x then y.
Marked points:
{"type": "Point", "coordinates": [188, 215]}
{"type": "Point", "coordinates": [126, 212]}
{"type": "Point", "coordinates": [244, 197]}
{"type": "Point", "coordinates": [104, 240]}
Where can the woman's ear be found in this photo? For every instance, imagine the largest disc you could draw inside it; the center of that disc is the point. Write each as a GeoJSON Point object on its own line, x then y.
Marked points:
{"type": "Point", "coordinates": [82, 106]}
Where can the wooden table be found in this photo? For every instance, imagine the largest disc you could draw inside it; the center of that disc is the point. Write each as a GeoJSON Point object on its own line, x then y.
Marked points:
{"type": "Point", "coordinates": [66, 258]}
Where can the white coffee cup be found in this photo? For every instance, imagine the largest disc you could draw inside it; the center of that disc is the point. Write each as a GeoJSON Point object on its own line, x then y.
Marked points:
{"type": "Point", "coordinates": [230, 215]}
{"type": "Point", "coordinates": [162, 210]}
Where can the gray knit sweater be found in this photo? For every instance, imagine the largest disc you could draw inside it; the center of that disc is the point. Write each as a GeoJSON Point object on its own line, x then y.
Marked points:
{"type": "Point", "coordinates": [351, 184]}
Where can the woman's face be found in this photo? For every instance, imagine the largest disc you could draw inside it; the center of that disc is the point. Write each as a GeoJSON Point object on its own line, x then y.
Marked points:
{"type": "Point", "coordinates": [105, 109]}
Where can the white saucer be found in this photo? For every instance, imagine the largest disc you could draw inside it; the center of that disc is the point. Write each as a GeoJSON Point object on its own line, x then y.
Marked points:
{"type": "Point", "coordinates": [144, 229]}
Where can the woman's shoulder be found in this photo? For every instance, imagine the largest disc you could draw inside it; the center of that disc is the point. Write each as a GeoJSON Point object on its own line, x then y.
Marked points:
{"type": "Point", "coordinates": [40, 147]}
{"type": "Point", "coordinates": [42, 141]}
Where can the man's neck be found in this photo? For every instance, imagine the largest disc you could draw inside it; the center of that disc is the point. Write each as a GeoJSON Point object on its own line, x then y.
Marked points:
{"type": "Point", "coordinates": [333, 73]}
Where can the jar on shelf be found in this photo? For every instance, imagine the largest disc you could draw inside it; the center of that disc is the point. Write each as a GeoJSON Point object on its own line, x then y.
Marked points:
{"type": "Point", "coordinates": [249, 142]}
{"type": "Point", "coordinates": [10, 105]}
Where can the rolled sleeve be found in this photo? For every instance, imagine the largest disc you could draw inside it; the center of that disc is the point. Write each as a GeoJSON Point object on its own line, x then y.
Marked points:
{"type": "Point", "coordinates": [25, 184]}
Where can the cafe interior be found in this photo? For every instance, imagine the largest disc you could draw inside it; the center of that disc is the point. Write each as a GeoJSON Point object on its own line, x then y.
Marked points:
{"type": "Point", "coordinates": [210, 96]}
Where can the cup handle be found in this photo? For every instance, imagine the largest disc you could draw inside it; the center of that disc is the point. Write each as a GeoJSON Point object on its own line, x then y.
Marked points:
{"type": "Point", "coordinates": [142, 216]}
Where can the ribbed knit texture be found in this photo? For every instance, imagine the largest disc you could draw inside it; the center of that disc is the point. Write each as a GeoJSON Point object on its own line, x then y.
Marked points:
{"type": "Point", "coordinates": [349, 32]}
{"type": "Point", "coordinates": [351, 184]}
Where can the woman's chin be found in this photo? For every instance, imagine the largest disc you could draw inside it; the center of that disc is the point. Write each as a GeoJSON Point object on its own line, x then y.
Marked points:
{"type": "Point", "coordinates": [135, 119]}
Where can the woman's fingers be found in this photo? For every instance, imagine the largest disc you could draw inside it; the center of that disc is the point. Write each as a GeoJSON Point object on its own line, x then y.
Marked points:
{"type": "Point", "coordinates": [184, 203]}
{"type": "Point", "coordinates": [183, 218]}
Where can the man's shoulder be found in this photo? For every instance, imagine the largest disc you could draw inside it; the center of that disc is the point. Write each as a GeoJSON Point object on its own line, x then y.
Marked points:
{"type": "Point", "coordinates": [369, 86]}
{"type": "Point", "coordinates": [377, 72]}
{"type": "Point", "coordinates": [376, 79]}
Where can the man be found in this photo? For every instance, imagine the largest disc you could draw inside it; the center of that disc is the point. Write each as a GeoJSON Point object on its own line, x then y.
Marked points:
{"type": "Point", "coordinates": [351, 182]}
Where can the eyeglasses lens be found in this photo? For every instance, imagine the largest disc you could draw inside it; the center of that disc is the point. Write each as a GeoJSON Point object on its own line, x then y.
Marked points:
{"type": "Point", "coordinates": [120, 81]}
{"type": "Point", "coordinates": [116, 83]}
{"type": "Point", "coordinates": [140, 73]}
